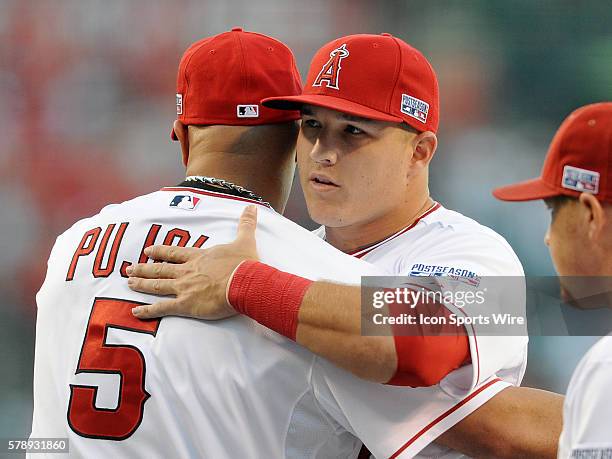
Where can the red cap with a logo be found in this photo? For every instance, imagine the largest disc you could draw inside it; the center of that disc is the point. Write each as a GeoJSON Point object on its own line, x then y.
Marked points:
{"type": "Point", "coordinates": [222, 79]}
{"type": "Point", "coordinates": [372, 76]}
{"type": "Point", "coordinates": [579, 159]}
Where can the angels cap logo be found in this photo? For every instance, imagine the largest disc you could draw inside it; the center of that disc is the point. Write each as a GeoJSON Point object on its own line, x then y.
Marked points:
{"type": "Point", "coordinates": [331, 69]}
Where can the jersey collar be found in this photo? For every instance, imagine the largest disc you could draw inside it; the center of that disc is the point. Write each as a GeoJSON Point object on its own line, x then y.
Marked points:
{"type": "Point", "coordinates": [363, 251]}
{"type": "Point", "coordinates": [211, 190]}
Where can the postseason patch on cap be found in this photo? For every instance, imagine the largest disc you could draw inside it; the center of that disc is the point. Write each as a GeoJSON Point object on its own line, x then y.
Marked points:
{"type": "Point", "coordinates": [179, 104]}
{"type": "Point", "coordinates": [184, 201]}
{"type": "Point", "coordinates": [414, 107]}
{"type": "Point", "coordinates": [247, 111]}
{"type": "Point", "coordinates": [578, 179]}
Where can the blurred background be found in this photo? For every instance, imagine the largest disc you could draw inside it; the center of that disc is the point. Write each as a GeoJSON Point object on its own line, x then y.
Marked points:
{"type": "Point", "coordinates": [87, 98]}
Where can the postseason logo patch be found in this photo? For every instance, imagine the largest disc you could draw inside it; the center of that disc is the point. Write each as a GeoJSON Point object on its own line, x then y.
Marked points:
{"type": "Point", "coordinates": [247, 111]}
{"type": "Point", "coordinates": [414, 107]}
{"type": "Point", "coordinates": [591, 453]}
{"type": "Point", "coordinates": [578, 179]}
{"type": "Point", "coordinates": [184, 201]}
{"type": "Point", "coordinates": [179, 104]}
{"type": "Point", "coordinates": [459, 274]}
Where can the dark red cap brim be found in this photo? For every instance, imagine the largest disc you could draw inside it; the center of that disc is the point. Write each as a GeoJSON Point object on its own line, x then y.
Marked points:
{"type": "Point", "coordinates": [331, 102]}
{"type": "Point", "coordinates": [529, 190]}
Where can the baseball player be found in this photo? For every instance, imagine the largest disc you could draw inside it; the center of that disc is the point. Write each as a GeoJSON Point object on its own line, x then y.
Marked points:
{"type": "Point", "coordinates": [116, 386]}
{"type": "Point", "coordinates": [369, 117]}
{"type": "Point", "coordinates": [576, 183]}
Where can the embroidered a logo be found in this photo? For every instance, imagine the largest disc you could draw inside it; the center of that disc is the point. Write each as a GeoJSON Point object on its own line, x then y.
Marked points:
{"type": "Point", "coordinates": [331, 69]}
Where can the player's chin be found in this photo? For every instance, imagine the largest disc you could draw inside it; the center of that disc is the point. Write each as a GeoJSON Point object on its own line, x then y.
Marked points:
{"type": "Point", "coordinates": [581, 292]}
{"type": "Point", "coordinates": [326, 212]}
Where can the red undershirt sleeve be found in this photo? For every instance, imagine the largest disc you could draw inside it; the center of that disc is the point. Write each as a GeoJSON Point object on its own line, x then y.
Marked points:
{"type": "Point", "coordinates": [427, 353]}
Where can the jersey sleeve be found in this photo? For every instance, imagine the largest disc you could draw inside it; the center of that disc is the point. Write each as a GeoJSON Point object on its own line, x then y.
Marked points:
{"type": "Point", "coordinates": [483, 264]}
{"type": "Point", "coordinates": [587, 411]}
{"type": "Point", "coordinates": [394, 421]}
{"type": "Point", "coordinates": [53, 272]}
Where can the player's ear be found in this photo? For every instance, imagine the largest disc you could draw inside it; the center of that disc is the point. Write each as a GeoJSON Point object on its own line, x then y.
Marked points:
{"type": "Point", "coordinates": [180, 130]}
{"type": "Point", "coordinates": [424, 147]}
{"type": "Point", "coordinates": [594, 215]}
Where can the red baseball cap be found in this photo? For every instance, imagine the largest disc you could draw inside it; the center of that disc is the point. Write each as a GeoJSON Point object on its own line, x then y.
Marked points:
{"type": "Point", "coordinates": [373, 76]}
{"type": "Point", "coordinates": [579, 159]}
{"type": "Point", "coordinates": [222, 79]}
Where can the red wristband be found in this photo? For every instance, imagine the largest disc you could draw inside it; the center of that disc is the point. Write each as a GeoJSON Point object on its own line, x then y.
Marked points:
{"type": "Point", "coordinates": [268, 295]}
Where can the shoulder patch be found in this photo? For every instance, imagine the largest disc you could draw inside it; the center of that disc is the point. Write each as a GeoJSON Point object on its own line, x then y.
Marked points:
{"type": "Point", "coordinates": [456, 273]}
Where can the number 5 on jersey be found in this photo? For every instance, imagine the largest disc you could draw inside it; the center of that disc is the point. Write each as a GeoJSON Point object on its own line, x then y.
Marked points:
{"type": "Point", "coordinates": [98, 357]}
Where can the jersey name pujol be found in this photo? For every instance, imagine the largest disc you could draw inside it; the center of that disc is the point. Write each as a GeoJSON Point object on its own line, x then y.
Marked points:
{"type": "Point", "coordinates": [330, 71]}
{"type": "Point", "coordinates": [89, 242]}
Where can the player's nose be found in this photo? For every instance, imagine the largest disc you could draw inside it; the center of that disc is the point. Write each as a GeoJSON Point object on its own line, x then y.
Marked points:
{"type": "Point", "coordinates": [322, 153]}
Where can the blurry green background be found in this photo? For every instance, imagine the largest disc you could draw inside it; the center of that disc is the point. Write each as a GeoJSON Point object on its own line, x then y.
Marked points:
{"type": "Point", "coordinates": [87, 101]}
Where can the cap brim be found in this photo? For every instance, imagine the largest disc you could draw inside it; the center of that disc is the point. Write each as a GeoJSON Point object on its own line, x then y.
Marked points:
{"type": "Point", "coordinates": [529, 190]}
{"type": "Point", "coordinates": [331, 102]}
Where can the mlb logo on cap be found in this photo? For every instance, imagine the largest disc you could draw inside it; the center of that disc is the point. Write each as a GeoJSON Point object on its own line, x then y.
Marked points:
{"type": "Point", "coordinates": [247, 111]}
{"type": "Point", "coordinates": [184, 201]}
{"type": "Point", "coordinates": [578, 179]}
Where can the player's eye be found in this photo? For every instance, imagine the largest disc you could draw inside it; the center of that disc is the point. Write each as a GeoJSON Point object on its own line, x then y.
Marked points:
{"type": "Point", "coordinates": [311, 123]}
{"type": "Point", "coordinates": [353, 130]}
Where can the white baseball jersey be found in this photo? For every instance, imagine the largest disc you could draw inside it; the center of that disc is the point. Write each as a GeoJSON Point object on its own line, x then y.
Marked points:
{"type": "Point", "coordinates": [443, 242]}
{"type": "Point", "coordinates": [587, 411]}
{"type": "Point", "coordinates": [116, 386]}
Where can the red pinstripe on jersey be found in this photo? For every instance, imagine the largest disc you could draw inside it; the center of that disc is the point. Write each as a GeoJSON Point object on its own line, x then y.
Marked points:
{"type": "Point", "coordinates": [442, 417]}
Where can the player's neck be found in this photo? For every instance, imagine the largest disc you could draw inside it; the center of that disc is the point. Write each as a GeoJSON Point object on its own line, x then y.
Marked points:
{"type": "Point", "coordinates": [363, 234]}
{"type": "Point", "coordinates": [247, 172]}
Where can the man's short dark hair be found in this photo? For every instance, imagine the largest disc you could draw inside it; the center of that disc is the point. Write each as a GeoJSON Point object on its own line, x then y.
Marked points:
{"type": "Point", "coordinates": [409, 128]}
{"type": "Point", "coordinates": [557, 202]}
